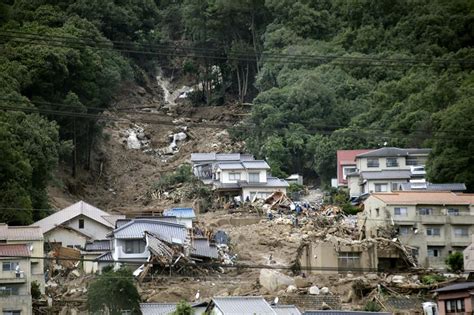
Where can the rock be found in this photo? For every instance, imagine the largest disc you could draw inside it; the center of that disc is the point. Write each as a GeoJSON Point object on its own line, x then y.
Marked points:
{"type": "Point", "coordinates": [324, 306]}
{"type": "Point", "coordinates": [291, 289]}
{"type": "Point", "coordinates": [76, 273]}
{"type": "Point", "coordinates": [301, 282]}
{"type": "Point", "coordinates": [324, 290]}
{"type": "Point", "coordinates": [141, 136]}
{"type": "Point", "coordinates": [314, 290]}
{"type": "Point", "coordinates": [398, 279]}
{"type": "Point", "coordinates": [372, 276]}
{"type": "Point", "coordinates": [349, 275]}
{"type": "Point", "coordinates": [273, 280]}
{"type": "Point", "coordinates": [63, 310]}
{"type": "Point", "coordinates": [415, 278]}
{"type": "Point", "coordinates": [132, 141]}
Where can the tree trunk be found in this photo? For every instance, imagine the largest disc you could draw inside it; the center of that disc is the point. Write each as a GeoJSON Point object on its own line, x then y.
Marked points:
{"type": "Point", "coordinates": [254, 39]}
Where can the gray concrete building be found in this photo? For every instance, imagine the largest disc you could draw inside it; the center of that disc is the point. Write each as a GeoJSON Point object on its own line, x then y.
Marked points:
{"type": "Point", "coordinates": [433, 223]}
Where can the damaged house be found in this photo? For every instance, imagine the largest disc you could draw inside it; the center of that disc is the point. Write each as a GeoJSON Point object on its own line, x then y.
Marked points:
{"type": "Point", "coordinates": [432, 223]}
{"type": "Point", "coordinates": [204, 163]}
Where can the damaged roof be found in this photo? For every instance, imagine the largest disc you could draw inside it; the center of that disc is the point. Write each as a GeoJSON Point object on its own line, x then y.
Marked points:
{"type": "Point", "coordinates": [425, 198]}
{"type": "Point", "coordinates": [243, 305]}
{"type": "Point", "coordinates": [105, 257]}
{"type": "Point", "coordinates": [79, 208]}
{"type": "Point", "coordinates": [187, 213]}
{"type": "Point", "coordinates": [248, 165]}
{"type": "Point", "coordinates": [271, 182]}
{"type": "Point", "coordinates": [202, 248]}
{"type": "Point", "coordinates": [166, 231]}
{"type": "Point", "coordinates": [393, 152]}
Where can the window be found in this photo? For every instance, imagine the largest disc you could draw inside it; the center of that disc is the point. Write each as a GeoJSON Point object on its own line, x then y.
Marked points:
{"type": "Point", "coordinates": [392, 162]}
{"type": "Point", "coordinates": [454, 306]}
{"type": "Point", "coordinates": [453, 211]}
{"type": "Point", "coordinates": [11, 312]}
{"type": "Point", "coordinates": [377, 210]}
{"type": "Point", "coordinates": [404, 230]}
{"type": "Point", "coordinates": [81, 223]}
{"type": "Point", "coordinates": [434, 252]}
{"type": "Point", "coordinates": [395, 186]}
{"type": "Point", "coordinates": [425, 211]}
{"type": "Point", "coordinates": [234, 176]}
{"type": "Point", "coordinates": [380, 187]}
{"type": "Point", "coordinates": [402, 212]}
{"type": "Point", "coordinates": [349, 260]}
{"type": "Point", "coordinates": [254, 177]}
{"type": "Point", "coordinates": [415, 251]}
{"type": "Point", "coordinates": [411, 161]}
{"type": "Point", "coordinates": [8, 290]}
{"type": "Point", "coordinates": [9, 265]}
{"type": "Point", "coordinates": [347, 170]}
{"type": "Point", "coordinates": [134, 246]}
{"type": "Point", "coordinates": [461, 231]}
{"type": "Point", "coordinates": [372, 162]}
{"type": "Point", "coordinates": [433, 231]}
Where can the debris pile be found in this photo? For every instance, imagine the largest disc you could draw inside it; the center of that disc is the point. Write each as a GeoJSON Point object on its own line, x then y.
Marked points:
{"type": "Point", "coordinates": [136, 139]}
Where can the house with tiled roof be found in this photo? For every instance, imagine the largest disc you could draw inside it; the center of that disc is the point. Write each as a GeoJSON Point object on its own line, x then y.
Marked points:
{"type": "Point", "coordinates": [245, 305]}
{"type": "Point", "coordinates": [432, 223]}
{"type": "Point", "coordinates": [15, 279]}
{"type": "Point", "coordinates": [32, 236]}
{"type": "Point", "coordinates": [77, 224]}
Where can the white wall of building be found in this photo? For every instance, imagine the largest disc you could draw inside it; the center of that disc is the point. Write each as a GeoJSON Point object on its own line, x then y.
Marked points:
{"type": "Point", "coordinates": [65, 237]}
{"type": "Point", "coordinates": [246, 192]}
{"type": "Point", "coordinates": [244, 175]}
{"type": "Point", "coordinates": [92, 228]}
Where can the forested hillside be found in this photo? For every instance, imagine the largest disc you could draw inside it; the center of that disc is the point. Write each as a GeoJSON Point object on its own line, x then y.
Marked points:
{"type": "Point", "coordinates": [322, 75]}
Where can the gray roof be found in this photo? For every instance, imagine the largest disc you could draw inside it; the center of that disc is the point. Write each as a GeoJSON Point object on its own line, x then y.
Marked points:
{"type": "Point", "coordinates": [98, 245]}
{"type": "Point", "coordinates": [393, 152]}
{"type": "Point", "coordinates": [79, 208]}
{"type": "Point", "coordinates": [105, 257]}
{"type": "Point", "coordinates": [202, 248]}
{"type": "Point", "coordinates": [392, 174]}
{"type": "Point", "coordinates": [286, 310]}
{"type": "Point", "coordinates": [243, 305]}
{"type": "Point", "coordinates": [335, 312]}
{"type": "Point", "coordinates": [157, 308]}
{"type": "Point", "coordinates": [214, 157]}
{"type": "Point", "coordinates": [437, 187]}
{"type": "Point", "coordinates": [20, 233]}
{"type": "Point", "coordinates": [457, 287]}
{"type": "Point", "coordinates": [166, 231]}
{"type": "Point", "coordinates": [271, 182]}
{"type": "Point", "coordinates": [248, 165]}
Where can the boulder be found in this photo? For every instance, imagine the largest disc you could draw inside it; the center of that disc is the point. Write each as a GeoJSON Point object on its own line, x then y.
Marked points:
{"type": "Point", "coordinates": [324, 290]}
{"type": "Point", "coordinates": [132, 141]}
{"type": "Point", "coordinates": [301, 282]}
{"type": "Point", "coordinates": [398, 279]}
{"type": "Point", "coordinates": [273, 280]}
{"type": "Point", "coordinates": [314, 290]}
{"type": "Point", "coordinates": [291, 289]}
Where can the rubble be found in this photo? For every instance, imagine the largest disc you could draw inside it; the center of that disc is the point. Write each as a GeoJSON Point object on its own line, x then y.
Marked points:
{"type": "Point", "coordinates": [273, 280]}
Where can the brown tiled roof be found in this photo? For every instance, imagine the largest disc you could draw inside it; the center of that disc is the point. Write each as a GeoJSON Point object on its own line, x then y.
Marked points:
{"type": "Point", "coordinates": [425, 197]}
{"type": "Point", "coordinates": [15, 250]}
{"type": "Point", "coordinates": [20, 233]}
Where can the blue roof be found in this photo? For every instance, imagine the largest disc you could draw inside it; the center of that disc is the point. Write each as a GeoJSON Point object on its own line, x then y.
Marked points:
{"type": "Point", "coordinates": [180, 213]}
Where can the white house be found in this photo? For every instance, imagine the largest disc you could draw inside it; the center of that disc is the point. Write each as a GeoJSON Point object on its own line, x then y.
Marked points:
{"type": "Point", "coordinates": [204, 163]}
{"type": "Point", "coordinates": [184, 216]}
{"type": "Point", "coordinates": [248, 179]}
{"type": "Point", "coordinates": [75, 225]}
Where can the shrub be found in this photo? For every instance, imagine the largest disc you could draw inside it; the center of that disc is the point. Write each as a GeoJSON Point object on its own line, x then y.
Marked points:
{"type": "Point", "coordinates": [372, 306]}
{"type": "Point", "coordinates": [432, 279]}
{"type": "Point", "coordinates": [455, 262]}
{"type": "Point", "coordinates": [35, 290]}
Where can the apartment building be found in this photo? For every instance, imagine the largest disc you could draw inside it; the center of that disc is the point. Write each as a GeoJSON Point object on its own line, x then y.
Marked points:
{"type": "Point", "coordinates": [433, 223]}
{"type": "Point", "coordinates": [31, 236]}
{"type": "Point", "coordinates": [15, 279]}
{"type": "Point", "coordinates": [385, 170]}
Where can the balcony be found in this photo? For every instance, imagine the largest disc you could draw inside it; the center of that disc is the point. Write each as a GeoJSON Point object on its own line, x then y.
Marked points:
{"type": "Point", "coordinates": [463, 218]}
{"type": "Point", "coordinates": [432, 219]}
{"type": "Point", "coordinates": [12, 277]}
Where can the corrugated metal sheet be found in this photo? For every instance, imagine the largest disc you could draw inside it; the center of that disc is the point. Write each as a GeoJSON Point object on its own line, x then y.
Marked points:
{"type": "Point", "coordinates": [20, 233]}
{"type": "Point", "coordinates": [73, 211]}
{"type": "Point", "coordinates": [180, 213]}
{"type": "Point", "coordinates": [100, 245]}
{"type": "Point", "coordinates": [15, 250]}
{"type": "Point", "coordinates": [286, 310]}
{"type": "Point", "coordinates": [157, 308]}
{"type": "Point", "coordinates": [243, 305]}
{"type": "Point", "coordinates": [166, 231]}
{"type": "Point", "coordinates": [202, 248]}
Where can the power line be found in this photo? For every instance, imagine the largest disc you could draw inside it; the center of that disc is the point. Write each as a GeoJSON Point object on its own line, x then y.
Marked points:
{"type": "Point", "coordinates": [169, 50]}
